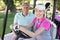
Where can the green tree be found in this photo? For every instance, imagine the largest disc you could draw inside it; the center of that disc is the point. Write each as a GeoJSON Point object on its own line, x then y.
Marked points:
{"type": "Point", "coordinates": [11, 5]}
{"type": "Point", "coordinates": [21, 1]}
{"type": "Point", "coordinates": [58, 5]}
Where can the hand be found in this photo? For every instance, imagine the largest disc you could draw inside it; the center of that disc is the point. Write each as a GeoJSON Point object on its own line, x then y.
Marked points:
{"type": "Point", "coordinates": [11, 26]}
{"type": "Point", "coordinates": [16, 27]}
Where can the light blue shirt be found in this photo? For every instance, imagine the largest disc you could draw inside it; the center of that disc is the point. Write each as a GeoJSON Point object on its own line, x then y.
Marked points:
{"type": "Point", "coordinates": [23, 20]}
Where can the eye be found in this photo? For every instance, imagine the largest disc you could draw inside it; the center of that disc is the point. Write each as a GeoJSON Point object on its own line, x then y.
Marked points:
{"type": "Point", "coordinates": [36, 10]}
{"type": "Point", "coordinates": [40, 10]}
{"type": "Point", "coordinates": [26, 7]}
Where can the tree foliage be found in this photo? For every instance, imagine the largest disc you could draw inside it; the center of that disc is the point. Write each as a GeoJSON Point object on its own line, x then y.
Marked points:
{"type": "Point", "coordinates": [58, 4]}
{"type": "Point", "coordinates": [12, 6]}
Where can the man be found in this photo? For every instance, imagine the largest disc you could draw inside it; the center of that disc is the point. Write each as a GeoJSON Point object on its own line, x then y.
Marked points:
{"type": "Point", "coordinates": [22, 18]}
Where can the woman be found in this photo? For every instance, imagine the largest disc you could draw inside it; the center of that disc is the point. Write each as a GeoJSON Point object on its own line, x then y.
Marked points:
{"type": "Point", "coordinates": [41, 26]}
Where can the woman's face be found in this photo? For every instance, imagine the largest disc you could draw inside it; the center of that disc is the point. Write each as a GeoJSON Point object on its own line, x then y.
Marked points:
{"type": "Point", "coordinates": [39, 13]}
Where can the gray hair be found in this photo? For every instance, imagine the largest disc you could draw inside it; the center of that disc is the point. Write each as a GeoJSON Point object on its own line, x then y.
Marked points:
{"type": "Point", "coordinates": [25, 3]}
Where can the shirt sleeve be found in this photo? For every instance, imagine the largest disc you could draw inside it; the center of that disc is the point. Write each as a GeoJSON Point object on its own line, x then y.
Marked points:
{"type": "Point", "coordinates": [34, 20]}
{"type": "Point", "coordinates": [16, 18]}
{"type": "Point", "coordinates": [46, 25]}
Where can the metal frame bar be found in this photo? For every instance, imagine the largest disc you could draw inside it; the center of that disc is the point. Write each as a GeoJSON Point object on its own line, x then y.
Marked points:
{"type": "Point", "coordinates": [54, 10]}
{"type": "Point", "coordinates": [5, 19]}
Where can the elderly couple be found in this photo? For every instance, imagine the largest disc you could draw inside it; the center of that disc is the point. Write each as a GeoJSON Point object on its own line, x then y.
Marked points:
{"type": "Point", "coordinates": [27, 20]}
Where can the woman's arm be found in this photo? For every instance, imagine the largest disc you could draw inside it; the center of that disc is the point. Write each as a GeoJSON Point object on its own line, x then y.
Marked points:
{"type": "Point", "coordinates": [32, 34]}
{"type": "Point", "coordinates": [39, 31]}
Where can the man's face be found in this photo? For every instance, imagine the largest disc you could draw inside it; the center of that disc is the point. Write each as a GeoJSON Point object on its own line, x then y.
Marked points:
{"type": "Point", "coordinates": [25, 8]}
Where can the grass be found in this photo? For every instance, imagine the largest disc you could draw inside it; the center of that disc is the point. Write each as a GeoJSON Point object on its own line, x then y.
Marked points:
{"type": "Point", "coordinates": [9, 22]}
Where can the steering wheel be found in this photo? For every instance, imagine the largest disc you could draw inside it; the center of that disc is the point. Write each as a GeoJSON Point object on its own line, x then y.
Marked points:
{"type": "Point", "coordinates": [19, 33]}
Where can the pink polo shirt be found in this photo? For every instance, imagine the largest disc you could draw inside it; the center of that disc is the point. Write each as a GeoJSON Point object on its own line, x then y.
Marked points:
{"type": "Point", "coordinates": [57, 17]}
{"type": "Point", "coordinates": [46, 23]}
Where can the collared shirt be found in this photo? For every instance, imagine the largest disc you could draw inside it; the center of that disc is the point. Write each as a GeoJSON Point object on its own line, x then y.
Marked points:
{"type": "Point", "coordinates": [57, 17]}
{"type": "Point", "coordinates": [23, 20]}
{"type": "Point", "coordinates": [43, 22]}
{"type": "Point", "coordinates": [46, 25]}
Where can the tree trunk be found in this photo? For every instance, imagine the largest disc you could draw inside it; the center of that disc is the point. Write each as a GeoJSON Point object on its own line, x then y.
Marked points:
{"type": "Point", "coordinates": [11, 7]}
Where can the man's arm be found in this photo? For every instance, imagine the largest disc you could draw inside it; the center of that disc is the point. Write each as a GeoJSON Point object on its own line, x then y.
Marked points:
{"type": "Point", "coordinates": [27, 26]}
{"type": "Point", "coordinates": [11, 26]}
